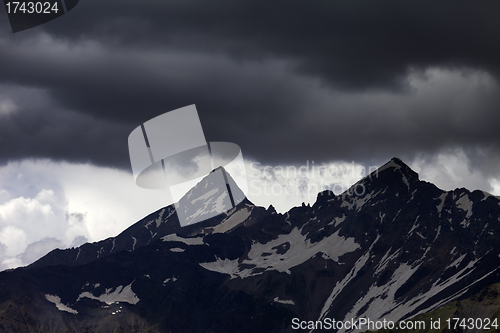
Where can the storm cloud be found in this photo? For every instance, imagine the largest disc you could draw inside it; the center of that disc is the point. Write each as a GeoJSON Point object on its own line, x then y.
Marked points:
{"type": "Point", "coordinates": [288, 81]}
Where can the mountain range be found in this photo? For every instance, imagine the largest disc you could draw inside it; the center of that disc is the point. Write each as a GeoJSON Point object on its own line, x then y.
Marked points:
{"type": "Point", "coordinates": [391, 247]}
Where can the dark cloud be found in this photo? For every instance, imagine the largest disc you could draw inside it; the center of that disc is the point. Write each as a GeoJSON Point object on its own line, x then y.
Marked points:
{"type": "Point", "coordinates": [356, 44]}
{"type": "Point", "coordinates": [287, 80]}
{"type": "Point", "coordinates": [37, 129]}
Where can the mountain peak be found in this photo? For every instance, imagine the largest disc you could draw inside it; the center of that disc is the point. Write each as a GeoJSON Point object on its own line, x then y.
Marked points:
{"type": "Point", "coordinates": [395, 162]}
{"type": "Point", "coordinates": [218, 168]}
{"type": "Point", "coordinates": [215, 194]}
{"type": "Point", "coordinates": [394, 174]}
{"type": "Point", "coordinates": [396, 165]}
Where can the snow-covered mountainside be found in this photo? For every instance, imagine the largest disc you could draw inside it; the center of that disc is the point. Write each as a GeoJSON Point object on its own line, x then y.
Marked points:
{"type": "Point", "coordinates": [209, 198]}
{"type": "Point", "coordinates": [389, 248]}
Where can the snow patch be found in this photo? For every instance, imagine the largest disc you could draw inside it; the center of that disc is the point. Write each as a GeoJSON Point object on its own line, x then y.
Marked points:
{"type": "Point", "coordinates": [357, 200]}
{"type": "Point", "coordinates": [336, 221]}
{"type": "Point", "coordinates": [438, 231]}
{"type": "Point", "coordinates": [173, 279]}
{"type": "Point", "coordinates": [341, 284]}
{"type": "Point", "coordinates": [205, 196]}
{"type": "Point", "coordinates": [381, 216]}
{"type": "Point", "coordinates": [405, 180]}
{"type": "Point", "coordinates": [457, 261]}
{"type": "Point", "coordinates": [300, 250]}
{"type": "Point", "coordinates": [78, 254]}
{"type": "Point", "coordinates": [120, 294]}
{"type": "Point", "coordinates": [232, 221]}
{"type": "Point", "coordinates": [57, 301]}
{"type": "Point", "coordinates": [386, 259]}
{"type": "Point", "coordinates": [187, 241]}
{"type": "Point", "coordinates": [176, 249]}
{"type": "Point", "coordinates": [486, 195]}
{"type": "Point", "coordinates": [160, 217]}
{"type": "Point", "coordinates": [465, 204]}
{"type": "Point", "coordinates": [225, 266]}
{"type": "Point", "coordinates": [282, 301]}
{"type": "Point", "coordinates": [415, 226]}
{"type": "Point", "coordinates": [439, 207]}
{"type": "Point", "coordinates": [217, 204]}
{"type": "Point", "coordinates": [135, 241]}
{"type": "Point", "coordinates": [376, 306]}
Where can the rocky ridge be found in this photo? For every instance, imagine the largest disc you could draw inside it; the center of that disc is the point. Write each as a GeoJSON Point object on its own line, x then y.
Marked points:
{"type": "Point", "coordinates": [391, 247]}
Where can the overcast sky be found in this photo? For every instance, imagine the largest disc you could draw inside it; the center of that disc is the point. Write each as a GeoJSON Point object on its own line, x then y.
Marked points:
{"type": "Point", "coordinates": [348, 84]}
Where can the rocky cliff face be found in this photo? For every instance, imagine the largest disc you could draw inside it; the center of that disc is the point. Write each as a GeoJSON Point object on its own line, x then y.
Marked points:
{"type": "Point", "coordinates": [389, 248]}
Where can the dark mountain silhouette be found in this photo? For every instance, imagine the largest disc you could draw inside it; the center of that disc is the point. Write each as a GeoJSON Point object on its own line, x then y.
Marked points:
{"type": "Point", "coordinates": [390, 247]}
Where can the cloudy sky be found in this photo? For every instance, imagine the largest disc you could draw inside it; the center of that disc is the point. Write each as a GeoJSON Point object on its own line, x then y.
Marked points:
{"type": "Point", "coordinates": [343, 84]}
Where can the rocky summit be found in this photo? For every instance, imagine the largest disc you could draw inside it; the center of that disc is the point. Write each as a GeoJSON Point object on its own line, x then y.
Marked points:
{"type": "Point", "coordinates": [391, 247]}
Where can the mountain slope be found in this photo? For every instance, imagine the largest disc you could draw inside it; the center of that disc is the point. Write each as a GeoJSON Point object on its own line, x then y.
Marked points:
{"type": "Point", "coordinates": [154, 226]}
{"type": "Point", "coordinates": [483, 307]}
{"type": "Point", "coordinates": [389, 248]}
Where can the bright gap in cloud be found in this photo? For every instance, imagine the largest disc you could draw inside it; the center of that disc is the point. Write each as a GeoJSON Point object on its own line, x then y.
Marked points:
{"type": "Point", "coordinates": [451, 169]}
{"type": "Point", "coordinates": [44, 205]}
{"type": "Point", "coordinates": [495, 183]}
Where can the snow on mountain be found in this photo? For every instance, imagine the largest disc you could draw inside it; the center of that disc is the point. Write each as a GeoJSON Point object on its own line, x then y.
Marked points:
{"type": "Point", "coordinates": [57, 301]}
{"type": "Point", "coordinates": [283, 253]}
{"type": "Point", "coordinates": [211, 197]}
{"type": "Point", "coordinates": [390, 247]}
{"type": "Point", "coordinates": [185, 240]}
{"type": "Point", "coordinates": [119, 294]}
